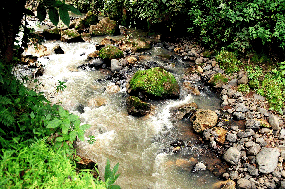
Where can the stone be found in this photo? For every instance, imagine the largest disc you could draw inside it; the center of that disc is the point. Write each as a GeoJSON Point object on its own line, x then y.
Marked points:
{"type": "Point", "coordinates": [282, 134]}
{"type": "Point", "coordinates": [267, 159]}
{"type": "Point", "coordinates": [58, 50]}
{"type": "Point", "coordinates": [232, 155]}
{"type": "Point", "coordinates": [189, 87]}
{"type": "Point", "coordinates": [253, 150]}
{"type": "Point", "coordinates": [231, 137]}
{"type": "Point", "coordinates": [261, 141]}
{"type": "Point", "coordinates": [233, 82]}
{"type": "Point", "coordinates": [96, 102]}
{"type": "Point", "coordinates": [253, 171]}
{"type": "Point", "coordinates": [199, 167]}
{"type": "Point", "coordinates": [221, 134]}
{"type": "Point", "coordinates": [137, 107]}
{"type": "Point", "coordinates": [241, 108]}
{"type": "Point", "coordinates": [228, 184]}
{"type": "Point", "coordinates": [115, 65]}
{"type": "Point", "coordinates": [71, 36]}
{"type": "Point", "coordinates": [93, 55]}
{"type": "Point", "coordinates": [274, 122]}
{"type": "Point", "coordinates": [263, 111]}
{"type": "Point", "coordinates": [246, 133]}
{"type": "Point", "coordinates": [104, 27]}
{"type": "Point", "coordinates": [112, 88]}
{"type": "Point", "coordinates": [282, 185]}
{"type": "Point", "coordinates": [132, 60]}
{"type": "Point", "coordinates": [244, 183]}
{"type": "Point", "coordinates": [252, 124]}
{"type": "Point", "coordinates": [185, 110]}
{"type": "Point", "coordinates": [239, 115]}
{"type": "Point", "coordinates": [242, 78]}
{"type": "Point", "coordinates": [199, 60]}
{"type": "Point", "coordinates": [204, 119]}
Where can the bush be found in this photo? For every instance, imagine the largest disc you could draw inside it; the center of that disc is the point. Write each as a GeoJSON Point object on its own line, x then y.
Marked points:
{"type": "Point", "coordinates": [228, 61]}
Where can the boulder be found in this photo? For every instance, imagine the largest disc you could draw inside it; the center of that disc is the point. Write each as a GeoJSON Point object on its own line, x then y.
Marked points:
{"type": "Point", "coordinates": [71, 36]}
{"type": "Point", "coordinates": [110, 52]}
{"type": "Point", "coordinates": [154, 83]}
{"type": "Point", "coordinates": [232, 155]}
{"type": "Point", "coordinates": [104, 27]}
{"type": "Point", "coordinates": [180, 112]}
{"type": "Point", "coordinates": [267, 159]}
{"type": "Point", "coordinates": [274, 122]}
{"type": "Point", "coordinates": [115, 65]}
{"type": "Point", "coordinates": [204, 119]}
{"type": "Point", "coordinates": [89, 19]}
{"type": "Point", "coordinates": [244, 183]}
{"type": "Point", "coordinates": [189, 87]}
{"type": "Point", "coordinates": [58, 50]}
{"type": "Point", "coordinates": [137, 107]}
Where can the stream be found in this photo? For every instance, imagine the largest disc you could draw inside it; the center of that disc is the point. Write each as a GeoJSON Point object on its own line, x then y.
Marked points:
{"type": "Point", "coordinates": [142, 146]}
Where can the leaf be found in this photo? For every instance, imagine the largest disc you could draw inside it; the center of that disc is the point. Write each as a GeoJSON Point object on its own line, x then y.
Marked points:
{"type": "Point", "coordinates": [81, 135]}
{"type": "Point", "coordinates": [54, 123]}
{"type": "Point", "coordinates": [114, 187]}
{"type": "Point", "coordinates": [64, 16]}
{"type": "Point", "coordinates": [72, 135]}
{"type": "Point", "coordinates": [41, 12]}
{"type": "Point", "coordinates": [59, 139]}
{"type": "Point", "coordinates": [53, 15]}
{"type": "Point", "coordinates": [62, 112]}
{"type": "Point", "coordinates": [32, 115]}
{"type": "Point", "coordinates": [108, 171]}
{"type": "Point", "coordinates": [73, 9]}
{"type": "Point", "coordinates": [65, 126]}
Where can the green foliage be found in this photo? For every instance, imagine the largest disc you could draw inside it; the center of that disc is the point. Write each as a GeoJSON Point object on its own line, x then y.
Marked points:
{"type": "Point", "coordinates": [39, 166]}
{"type": "Point", "coordinates": [110, 52]}
{"type": "Point", "coordinates": [87, 5]}
{"type": "Point", "coordinates": [56, 9]}
{"type": "Point", "coordinates": [228, 61]}
{"type": "Point", "coordinates": [155, 81]}
{"type": "Point", "coordinates": [243, 88]}
{"type": "Point", "coordinates": [219, 78]}
{"type": "Point", "coordinates": [254, 76]}
{"type": "Point", "coordinates": [239, 24]}
{"type": "Point", "coordinates": [60, 86]}
{"type": "Point", "coordinates": [110, 176]}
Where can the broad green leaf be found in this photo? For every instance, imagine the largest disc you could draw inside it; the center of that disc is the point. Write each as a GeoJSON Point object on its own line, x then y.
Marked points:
{"type": "Point", "coordinates": [108, 171]}
{"type": "Point", "coordinates": [41, 12]}
{"type": "Point", "coordinates": [73, 117]}
{"type": "Point", "coordinates": [84, 127]}
{"type": "Point", "coordinates": [81, 135]}
{"type": "Point", "coordinates": [54, 123]}
{"type": "Point", "coordinates": [72, 135]}
{"type": "Point", "coordinates": [53, 15]}
{"type": "Point", "coordinates": [64, 16]}
{"type": "Point", "coordinates": [32, 115]}
{"type": "Point", "coordinates": [115, 169]}
{"type": "Point", "coordinates": [114, 187]}
{"type": "Point", "coordinates": [62, 112]}
{"type": "Point", "coordinates": [65, 126]}
{"type": "Point", "coordinates": [59, 139]}
{"type": "Point", "coordinates": [73, 9]}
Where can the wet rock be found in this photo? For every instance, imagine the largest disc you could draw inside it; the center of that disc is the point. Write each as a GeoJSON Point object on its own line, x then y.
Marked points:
{"type": "Point", "coordinates": [189, 87]}
{"type": "Point", "coordinates": [71, 36]}
{"type": "Point", "coordinates": [58, 50]}
{"type": "Point", "coordinates": [274, 122]}
{"type": "Point", "coordinates": [267, 159]}
{"type": "Point", "coordinates": [199, 167]}
{"type": "Point", "coordinates": [231, 137]}
{"type": "Point", "coordinates": [80, 108]}
{"type": "Point", "coordinates": [183, 111]}
{"type": "Point", "coordinates": [136, 107]}
{"type": "Point", "coordinates": [96, 102]}
{"type": "Point", "coordinates": [104, 27]}
{"type": "Point", "coordinates": [232, 155]}
{"type": "Point", "coordinates": [220, 134]}
{"type": "Point", "coordinates": [132, 60]}
{"type": "Point", "coordinates": [244, 183]}
{"type": "Point", "coordinates": [93, 55]}
{"type": "Point", "coordinates": [115, 65]}
{"type": "Point", "coordinates": [204, 119]}
{"type": "Point", "coordinates": [228, 184]}
{"type": "Point", "coordinates": [112, 88]}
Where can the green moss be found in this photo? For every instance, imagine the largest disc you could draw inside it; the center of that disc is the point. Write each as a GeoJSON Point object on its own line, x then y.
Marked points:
{"type": "Point", "coordinates": [90, 19]}
{"type": "Point", "coordinates": [71, 33]}
{"type": "Point", "coordinates": [156, 82]}
{"type": "Point", "coordinates": [110, 52]}
{"type": "Point", "coordinates": [219, 78]}
{"type": "Point", "coordinates": [228, 61]}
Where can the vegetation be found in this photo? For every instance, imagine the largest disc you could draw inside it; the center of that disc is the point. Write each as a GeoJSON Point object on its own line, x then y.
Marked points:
{"type": "Point", "coordinates": [228, 61]}
{"type": "Point", "coordinates": [110, 52]}
{"type": "Point", "coordinates": [218, 79]}
{"type": "Point", "coordinates": [155, 82]}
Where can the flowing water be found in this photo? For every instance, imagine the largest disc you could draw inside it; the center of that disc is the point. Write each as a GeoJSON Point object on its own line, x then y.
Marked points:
{"type": "Point", "coordinates": [140, 145]}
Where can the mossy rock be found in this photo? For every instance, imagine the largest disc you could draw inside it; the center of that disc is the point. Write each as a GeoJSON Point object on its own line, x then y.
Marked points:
{"type": "Point", "coordinates": [137, 107]}
{"type": "Point", "coordinates": [89, 19]}
{"type": "Point", "coordinates": [218, 80]}
{"type": "Point", "coordinates": [110, 52]}
{"type": "Point", "coordinates": [154, 83]}
{"type": "Point", "coordinates": [71, 35]}
{"type": "Point", "coordinates": [105, 26]}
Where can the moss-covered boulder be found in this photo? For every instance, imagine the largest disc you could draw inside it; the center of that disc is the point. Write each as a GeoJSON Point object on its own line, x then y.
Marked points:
{"type": "Point", "coordinates": [110, 52]}
{"type": "Point", "coordinates": [104, 27]}
{"type": "Point", "coordinates": [71, 35]}
{"type": "Point", "coordinates": [154, 83]}
{"type": "Point", "coordinates": [90, 19]}
{"type": "Point", "coordinates": [137, 107]}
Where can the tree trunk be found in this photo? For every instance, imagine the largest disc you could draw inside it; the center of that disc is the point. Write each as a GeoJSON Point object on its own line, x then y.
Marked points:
{"type": "Point", "coordinates": [11, 14]}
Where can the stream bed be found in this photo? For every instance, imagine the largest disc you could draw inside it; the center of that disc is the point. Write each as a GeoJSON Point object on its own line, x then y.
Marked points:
{"type": "Point", "coordinates": [142, 146]}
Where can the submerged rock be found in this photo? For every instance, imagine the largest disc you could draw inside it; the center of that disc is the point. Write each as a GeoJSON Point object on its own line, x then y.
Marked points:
{"type": "Point", "coordinates": [137, 107]}
{"type": "Point", "coordinates": [204, 119]}
{"type": "Point", "coordinates": [154, 83]}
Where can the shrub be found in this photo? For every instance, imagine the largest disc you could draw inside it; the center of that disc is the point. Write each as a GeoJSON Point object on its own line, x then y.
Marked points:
{"type": "Point", "coordinates": [228, 61]}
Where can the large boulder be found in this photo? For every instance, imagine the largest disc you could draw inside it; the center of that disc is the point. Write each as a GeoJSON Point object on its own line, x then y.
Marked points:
{"type": "Point", "coordinates": [110, 52]}
{"type": "Point", "coordinates": [137, 107]}
{"type": "Point", "coordinates": [204, 119]}
{"type": "Point", "coordinates": [89, 19]}
{"type": "Point", "coordinates": [154, 83]}
{"type": "Point", "coordinates": [104, 27]}
{"type": "Point", "coordinates": [267, 159]}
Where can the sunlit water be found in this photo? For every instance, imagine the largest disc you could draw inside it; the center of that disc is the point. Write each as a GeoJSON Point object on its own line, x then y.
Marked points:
{"type": "Point", "coordinates": [138, 144]}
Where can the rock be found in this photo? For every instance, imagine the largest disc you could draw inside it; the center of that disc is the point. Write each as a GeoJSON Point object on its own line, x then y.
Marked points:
{"type": "Point", "coordinates": [242, 78]}
{"type": "Point", "coordinates": [186, 110]}
{"type": "Point", "coordinates": [267, 159]}
{"type": "Point", "coordinates": [154, 83]}
{"type": "Point", "coordinates": [218, 80]}
{"type": "Point", "coordinates": [89, 19]}
{"type": "Point", "coordinates": [232, 155]}
{"type": "Point", "coordinates": [112, 88]}
{"type": "Point", "coordinates": [246, 133]}
{"type": "Point", "coordinates": [231, 137]}
{"type": "Point", "coordinates": [204, 119]}
{"type": "Point", "coordinates": [104, 27]}
{"type": "Point", "coordinates": [58, 50]}
{"type": "Point", "coordinates": [282, 186]}
{"type": "Point", "coordinates": [221, 134]}
{"type": "Point", "coordinates": [93, 55]}
{"type": "Point", "coordinates": [189, 87]}
{"type": "Point", "coordinates": [110, 52]}
{"type": "Point", "coordinates": [241, 108]}
{"type": "Point", "coordinates": [233, 82]}
{"type": "Point", "coordinates": [199, 69]}
{"type": "Point", "coordinates": [244, 183]}
{"type": "Point", "coordinates": [131, 60]}
{"type": "Point", "coordinates": [253, 150]}
{"type": "Point", "coordinates": [274, 122]}
{"type": "Point", "coordinates": [199, 167]}
{"type": "Point", "coordinates": [199, 60]}
{"type": "Point", "coordinates": [96, 102]}
{"type": "Point", "coordinates": [38, 50]}
{"type": "Point", "coordinates": [71, 36]}
{"type": "Point", "coordinates": [115, 65]}
{"type": "Point", "coordinates": [252, 124]}
{"type": "Point", "coordinates": [228, 184]}
{"type": "Point", "coordinates": [263, 111]}
{"type": "Point", "coordinates": [136, 107]}
{"type": "Point", "coordinates": [239, 115]}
